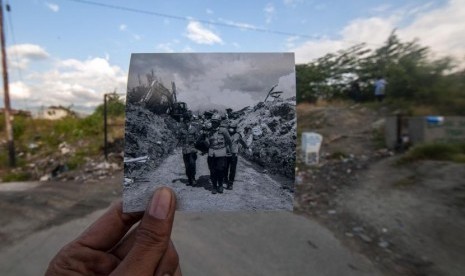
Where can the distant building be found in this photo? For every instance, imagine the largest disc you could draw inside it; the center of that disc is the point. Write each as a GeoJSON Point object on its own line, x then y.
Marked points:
{"type": "Point", "coordinates": [55, 113]}
{"type": "Point", "coordinates": [17, 112]}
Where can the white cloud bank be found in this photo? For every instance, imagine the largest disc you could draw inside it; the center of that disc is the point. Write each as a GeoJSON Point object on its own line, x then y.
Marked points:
{"type": "Point", "coordinates": [201, 35]}
{"type": "Point", "coordinates": [442, 29]}
{"type": "Point", "coordinates": [80, 83]}
{"type": "Point", "coordinates": [21, 55]}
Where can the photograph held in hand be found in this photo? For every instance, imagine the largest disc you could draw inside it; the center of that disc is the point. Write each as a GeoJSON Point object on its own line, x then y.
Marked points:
{"type": "Point", "coordinates": [217, 128]}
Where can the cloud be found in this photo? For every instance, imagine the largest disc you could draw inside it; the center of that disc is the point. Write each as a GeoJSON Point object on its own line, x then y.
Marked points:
{"type": "Point", "coordinates": [440, 28]}
{"type": "Point", "coordinates": [287, 85]}
{"type": "Point", "coordinates": [123, 27]}
{"type": "Point", "coordinates": [80, 83]}
{"type": "Point", "coordinates": [52, 7]}
{"type": "Point", "coordinates": [22, 54]}
{"type": "Point", "coordinates": [216, 80]}
{"type": "Point", "coordinates": [19, 90]}
{"type": "Point", "coordinates": [373, 31]}
{"type": "Point", "coordinates": [269, 12]}
{"type": "Point", "coordinates": [209, 11]}
{"type": "Point", "coordinates": [30, 51]}
{"type": "Point", "coordinates": [201, 35]}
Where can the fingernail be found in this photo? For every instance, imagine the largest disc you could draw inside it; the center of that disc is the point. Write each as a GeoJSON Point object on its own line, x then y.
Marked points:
{"type": "Point", "coordinates": [160, 205]}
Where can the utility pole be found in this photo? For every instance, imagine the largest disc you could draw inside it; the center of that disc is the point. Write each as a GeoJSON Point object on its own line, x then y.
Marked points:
{"type": "Point", "coordinates": [9, 128]}
{"type": "Point", "coordinates": [105, 126]}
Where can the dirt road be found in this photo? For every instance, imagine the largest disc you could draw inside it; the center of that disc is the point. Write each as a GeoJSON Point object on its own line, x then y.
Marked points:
{"type": "Point", "coordinates": [253, 189]}
{"type": "Point", "coordinates": [409, 219]}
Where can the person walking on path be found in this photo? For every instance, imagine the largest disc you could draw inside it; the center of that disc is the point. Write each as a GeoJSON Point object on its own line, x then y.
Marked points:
{"type": "Point", "coordinates": [219, 143]}
{"type": "Point", "coordinates": [380, 87]}
{"type": "Point", "coordinates": [231, 160]}
{"type": "Point", "coordinates": [189, 153]}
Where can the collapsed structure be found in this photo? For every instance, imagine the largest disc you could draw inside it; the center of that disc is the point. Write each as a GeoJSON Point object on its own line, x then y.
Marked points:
{"type": "Point", "coordinates": [152, 125]}
{"type": "Point", "coordinates": [147, 134]}
{"type": "Point", "coordinates": [270, 128]}
{"type": "Point", "coordinates": [157, 98]}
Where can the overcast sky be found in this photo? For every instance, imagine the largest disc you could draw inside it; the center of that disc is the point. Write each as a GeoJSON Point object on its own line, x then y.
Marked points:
{"type": "Point", "coordinates": [213, 80]}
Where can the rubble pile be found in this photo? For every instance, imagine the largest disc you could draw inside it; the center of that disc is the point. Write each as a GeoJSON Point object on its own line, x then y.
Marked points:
{"type": "Point", "coordinates": [59, 165]}
{"type": "Point", "coordinates": [270, 128]}
{"type": "Point", "coordinates": [147, 134]}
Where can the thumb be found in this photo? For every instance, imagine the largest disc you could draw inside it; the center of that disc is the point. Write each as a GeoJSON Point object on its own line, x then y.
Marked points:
{"type": "Point", "coordinates": [152, 236]}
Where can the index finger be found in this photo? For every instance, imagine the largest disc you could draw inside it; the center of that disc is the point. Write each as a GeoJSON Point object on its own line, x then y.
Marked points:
{"type": "Point", "coordinates": [108, 230]}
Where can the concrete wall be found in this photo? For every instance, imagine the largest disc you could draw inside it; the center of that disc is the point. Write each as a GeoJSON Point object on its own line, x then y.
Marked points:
{"type": "Point", "coordinates": [419, 130]}
{"type": "Point", "coordinates": [452, 129]}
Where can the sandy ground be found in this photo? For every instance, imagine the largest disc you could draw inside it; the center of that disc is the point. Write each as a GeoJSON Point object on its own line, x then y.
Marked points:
{"type": "Point", "coordinates": [28, 207]}
{"type": "Point", "coordinates": [417, 209]}
{"type": "Point", "coordinates": [253, 189]}
{"type": "Point", "coordinates": [409, 219]}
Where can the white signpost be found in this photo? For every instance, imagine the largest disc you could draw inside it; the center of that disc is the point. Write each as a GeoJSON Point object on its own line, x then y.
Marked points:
{"type": "Point", "coordinates": [311, 144]}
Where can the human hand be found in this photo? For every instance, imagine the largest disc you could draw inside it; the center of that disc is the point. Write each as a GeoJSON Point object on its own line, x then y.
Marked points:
{"type": "Point", "coordinates": [104, 248]}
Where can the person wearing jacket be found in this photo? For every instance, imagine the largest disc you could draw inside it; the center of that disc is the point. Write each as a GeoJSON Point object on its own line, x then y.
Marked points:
{"type": "Point", "coordinates": [219, 143]}
{"type": "Point", "coordinates": [189, 153]}
{"type": "Point", "coordinates": [231, 160]}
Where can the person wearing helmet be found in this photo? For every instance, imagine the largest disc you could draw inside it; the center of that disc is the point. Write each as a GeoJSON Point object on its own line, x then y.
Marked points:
{"type": "Point", "coordinates": [219, 143]}
{"type": "Point", "coordinates": [231, 160]}
{"type": "Point", "coordinates": [189, 153]}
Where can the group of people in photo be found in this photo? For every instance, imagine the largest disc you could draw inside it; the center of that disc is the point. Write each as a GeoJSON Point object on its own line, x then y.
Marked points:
{"type": "Point", "coordinates": [219, 139]}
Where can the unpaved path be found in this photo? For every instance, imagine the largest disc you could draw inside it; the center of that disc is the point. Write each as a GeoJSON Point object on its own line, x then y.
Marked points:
{"type": "Point", "coordinates": [253, 189]}
{"type": "Point", "coordinates": [407, 219]}
{"type": "Point", "coordinates": [417, 208]}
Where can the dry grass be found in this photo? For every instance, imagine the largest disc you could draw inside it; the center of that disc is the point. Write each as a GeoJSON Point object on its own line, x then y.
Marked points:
{"type": "Point", "coordinates": [435, 151]}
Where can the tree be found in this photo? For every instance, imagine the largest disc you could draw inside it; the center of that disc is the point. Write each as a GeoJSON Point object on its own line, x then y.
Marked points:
{"type": "Point", "coordinates": [412, 76]}
{"type": "Point", "coordinates": [115, 106]}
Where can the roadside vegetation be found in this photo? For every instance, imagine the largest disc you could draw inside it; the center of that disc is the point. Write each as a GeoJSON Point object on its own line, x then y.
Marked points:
{"type": "Point", "coordinates": [37, 141]}
{"type": "Point", "coordinates": [417, 83]}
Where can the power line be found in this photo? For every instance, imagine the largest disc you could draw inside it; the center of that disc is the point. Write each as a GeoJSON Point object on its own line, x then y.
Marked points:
{"type": "Point", "coordinates": [186, 18]}
{"type": "Point", "coordinates": [241, 26]}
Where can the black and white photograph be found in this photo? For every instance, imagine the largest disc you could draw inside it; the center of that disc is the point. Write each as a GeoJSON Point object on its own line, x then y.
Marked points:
{"type": "Point", "coordinates": [217, 128]}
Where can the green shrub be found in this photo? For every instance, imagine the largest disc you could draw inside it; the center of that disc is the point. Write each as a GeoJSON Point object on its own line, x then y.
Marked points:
{"type": "Point", "coordinates": [16, 176]}
{"type": "Point", "coordinates": [435, 151]}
